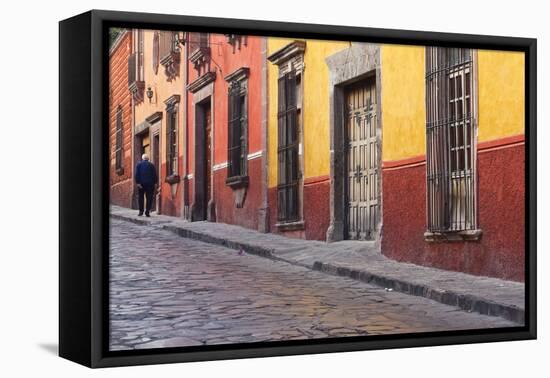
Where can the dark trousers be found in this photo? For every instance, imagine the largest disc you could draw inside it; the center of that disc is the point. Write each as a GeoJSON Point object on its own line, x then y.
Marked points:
{"type": "Point", "coordinates": [147, 192]}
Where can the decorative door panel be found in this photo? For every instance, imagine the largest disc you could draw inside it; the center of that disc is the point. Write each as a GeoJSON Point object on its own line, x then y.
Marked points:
{"type": "Point", "coordinates": [363, 211]}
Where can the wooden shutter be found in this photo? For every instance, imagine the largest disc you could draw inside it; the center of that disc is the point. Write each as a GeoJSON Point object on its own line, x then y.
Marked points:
{"type": "Point", "coordinates": [292, 148]}
{"type": "Point", "coordinates": [140, 68]}
{"type": "Point", "coordinates": [156, 51]}
{"type": "Point", "coordinates": [281, 151]}
{"type": "Point", "coordinates": [288, 159]}
{"type": "Point", "coordinates": [170, 141]}
{"type": "Point", "coordinates": [118, 139]}
{"type": "Point", "coordinates": [234, 131]}
{"type": "Point", "coordinates": [243, 133]}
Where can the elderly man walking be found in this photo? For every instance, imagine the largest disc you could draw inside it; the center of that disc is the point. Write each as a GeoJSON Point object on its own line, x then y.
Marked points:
{"type": "Point", "coordinates": [146, 179]}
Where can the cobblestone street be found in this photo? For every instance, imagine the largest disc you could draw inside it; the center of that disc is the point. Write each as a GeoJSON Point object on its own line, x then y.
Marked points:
{"type": "Point", "coordinates": [168, 291]}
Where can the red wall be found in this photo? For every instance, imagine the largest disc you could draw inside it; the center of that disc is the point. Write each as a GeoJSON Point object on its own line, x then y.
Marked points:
{"type": "Point", "coordinates": [316, 210]}
{"type": "Point", "coordinates": [227, 62]}
{"type": "Point", "coordinates": [501, 250]}
{"type": "Point", "coordinates": [224, 61]}
{"type": "Point", "coordinates": [226, 211]}
{"type": "Point", "coordinates": [119, 95]}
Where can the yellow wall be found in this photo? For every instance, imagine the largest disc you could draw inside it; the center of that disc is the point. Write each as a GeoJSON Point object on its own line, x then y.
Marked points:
{"type": "Point", "coordinates": [501, 93]}
{"type": "Point", "coordinates": [501, 101]}
{"type": "Point", "coordinates": [403, 102]}
{"type": "Point", "coordinates": [316, 107]}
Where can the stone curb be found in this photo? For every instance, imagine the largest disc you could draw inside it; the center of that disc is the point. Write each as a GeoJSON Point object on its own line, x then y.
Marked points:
{"type": "Point", "coordinates": [248, 248]}
{"type": "Point", "coordinates": [140, 222]}
{"type": "Point", "coordinates": [463, 301]}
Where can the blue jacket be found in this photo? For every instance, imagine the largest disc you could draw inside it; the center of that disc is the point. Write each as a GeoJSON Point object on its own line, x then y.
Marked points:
{"type": "Point", "coordinates": [146, 173]}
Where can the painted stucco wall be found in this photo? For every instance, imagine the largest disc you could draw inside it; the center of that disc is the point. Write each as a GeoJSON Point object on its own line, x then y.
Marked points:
{"type": "Point", "coordinates": [162, 90]}
{"type": "Point", "coordinates": [500, 166]}
{"type": "Point", "coordinates": [501, 100]}
{"type": "Point", "coordinates": [228, 60]}
{"type": "Point", "coordinates": [315, 107]}
{"type": "Point", "coordinates": [119, 96]}
{"type": "Point", "coordinates": [501, 88]}
{"type": "Point", "coordinates": [403, 102]}
{"type": "Point", "coordinates": [163, 87]}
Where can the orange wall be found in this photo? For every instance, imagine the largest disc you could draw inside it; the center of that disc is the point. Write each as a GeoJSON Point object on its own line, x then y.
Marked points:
{"type": "Point", "coordinates": [120, 96]}
{"type": "Point", "coordinates": [162, 90]}
{"type": "Point", "coordinates": [226, 63]}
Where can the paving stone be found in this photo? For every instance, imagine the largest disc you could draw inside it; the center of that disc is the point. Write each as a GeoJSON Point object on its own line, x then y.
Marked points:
{"type": "Point", "coordinates": [357, 260]}
{"type": "Point", "coordinates": [170, 291]}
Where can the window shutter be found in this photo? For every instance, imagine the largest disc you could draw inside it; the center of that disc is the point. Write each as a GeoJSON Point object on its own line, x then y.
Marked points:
{"type": "Point", "coordinates": [156, 56]}
{"type": "Point", "coordinates": [288, 169]}
{"type": "Point", "coordinates": [243, 134]}
{"type": "Point", "coordinates": [292, 148]}
{"type": "Point", "coordinates": [281, 144]}
{"type": "Point", "coordinates": [237, 134]}
{"type": "Point", "coordinates": [234, 131]}
{"type": "Point", "coordinates": [170, 143]}
{"type": "Point", "coordinates": [230, 128]}
{"type": "Point", "coordinates": [118, 139]}
{"type": "Point", "coordinates": [174, 144]}
{"type": "Point", "coordinates": [140, 72]}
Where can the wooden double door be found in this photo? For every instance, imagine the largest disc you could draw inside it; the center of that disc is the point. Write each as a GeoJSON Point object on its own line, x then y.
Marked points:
{"type": "Point", "coordinates": [362, 161]}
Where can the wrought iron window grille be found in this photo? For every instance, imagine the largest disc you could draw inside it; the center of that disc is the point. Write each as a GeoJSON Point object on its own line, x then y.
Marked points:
{"type": "Point", "coordinates": [451, 138]}
{"type": "Point", "coordinates": [119, 169]}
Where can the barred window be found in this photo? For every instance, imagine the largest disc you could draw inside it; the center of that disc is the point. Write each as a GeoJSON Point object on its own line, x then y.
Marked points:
{"type": "Point", "coordinates": [237, 130]}
{"type": "Point", "coordinates": [288, 148]}
{"type": "Point", "coordinates": [135, 61]}
{"type": "Point", "coordinates": [450, 138]}
{"type": "Point", "coordinates": [155, 56]}
{"type": "Point", "coordinates": [118, 139]}
{"type": "Point", "coordinates": [139, 55]}
{"type": "Point", "coordinates": [197, 41]}
{"type": "Point", "coordinates": [172, 141]}
{"type": "Point", "coordinates": [167, 44]}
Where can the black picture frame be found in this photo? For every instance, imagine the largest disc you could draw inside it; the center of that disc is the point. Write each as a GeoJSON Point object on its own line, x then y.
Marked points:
{"type": "Point", "coordinates": [84, 205]}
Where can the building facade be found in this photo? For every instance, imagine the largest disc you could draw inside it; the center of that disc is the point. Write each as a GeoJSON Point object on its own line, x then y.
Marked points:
{"type": "Point", "coordinates": [120, 121]}
{"type": "Point", "coordinates": [454, 165]}
{"type": "Point", "coordinates": [225, 119]}
{"type": "Point", "coordinates": [157, 88]}
{"type": "Point", "coordinates": [298, 136]}
{"type": "Point", "coordinates": [418, 152]}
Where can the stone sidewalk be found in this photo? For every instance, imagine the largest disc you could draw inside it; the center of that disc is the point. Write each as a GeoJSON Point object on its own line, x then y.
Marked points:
{"type": "Point", "coordinates": [356, 260]}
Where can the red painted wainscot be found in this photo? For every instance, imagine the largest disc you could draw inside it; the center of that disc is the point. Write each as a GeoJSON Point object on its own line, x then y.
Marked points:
{"type": "Point", "coordinates": [316, 209]}
{"type": "Point", "coordinates": [501, 250]}
{"type": "Point", "coordinates": [229, 57]}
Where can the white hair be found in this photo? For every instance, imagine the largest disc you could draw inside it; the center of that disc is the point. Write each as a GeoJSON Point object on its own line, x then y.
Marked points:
{"type": "Point", "coordinates": [144, 157]}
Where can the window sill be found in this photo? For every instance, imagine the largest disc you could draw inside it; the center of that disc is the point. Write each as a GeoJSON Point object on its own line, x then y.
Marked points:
{"type": "Point", "coordinates": [119, 171]}
{"type": "Point", "coordinates": [236, 182]}
{"type": "Point", "coordinates": [290, 226]}
{"type": "Point", "coordinates": [453, 236]}
{"type": "Point", "coordinates": [172, 179]}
